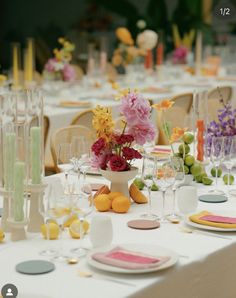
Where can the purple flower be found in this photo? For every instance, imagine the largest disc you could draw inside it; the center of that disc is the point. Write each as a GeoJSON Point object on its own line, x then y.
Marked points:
{"type": "Point", "coordinates": [69, 73]}
{"type": "Point", "coordinates": [180, 55]}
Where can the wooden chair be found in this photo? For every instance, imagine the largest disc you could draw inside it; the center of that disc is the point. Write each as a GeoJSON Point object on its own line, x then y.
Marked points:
{"type": "Point", "coordinates": [214, 103]}
{"type": "Point", "coordinates": [176, 115]}
{"type": "Point", "coordinates": [64, 135]}
{"type": "Point", "coordinates": [85, 118]}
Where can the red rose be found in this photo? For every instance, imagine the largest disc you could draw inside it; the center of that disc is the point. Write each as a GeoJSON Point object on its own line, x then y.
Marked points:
{"type": "Point", "coordinates": [130, 153]}
{"type": "Point", "coordinates": [117, 163]}
{"type": "Point", "coordinates": [123, 139]}
{"type": "Point", "coordinates": [98, 146]}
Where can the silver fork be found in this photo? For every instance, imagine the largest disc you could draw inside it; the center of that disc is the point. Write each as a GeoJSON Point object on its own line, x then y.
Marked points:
{"type": "Point", "coordinates": [189, 230]}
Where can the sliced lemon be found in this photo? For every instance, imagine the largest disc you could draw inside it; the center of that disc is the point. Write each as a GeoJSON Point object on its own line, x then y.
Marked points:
{"type": "Point", "coordinates": [69, 221]}
{"type": "Point", "coordinates": [74, 228]}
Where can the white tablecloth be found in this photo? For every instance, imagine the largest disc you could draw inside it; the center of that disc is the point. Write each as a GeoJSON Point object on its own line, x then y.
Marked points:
{"type": "Point", "coordinates": [206, 266]}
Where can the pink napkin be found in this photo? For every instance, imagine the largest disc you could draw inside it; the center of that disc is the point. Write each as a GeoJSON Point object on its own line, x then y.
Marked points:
{"type": "Point", "coordinates": [120, 257]}
{"type": "Point", "coordinates": [219, 219]}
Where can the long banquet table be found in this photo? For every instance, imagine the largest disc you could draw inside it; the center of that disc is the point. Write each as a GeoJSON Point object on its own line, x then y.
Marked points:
{"type": "Point", "coordinates": [62, 116]}
{"type": "Point", "coordinates": [206, 267]}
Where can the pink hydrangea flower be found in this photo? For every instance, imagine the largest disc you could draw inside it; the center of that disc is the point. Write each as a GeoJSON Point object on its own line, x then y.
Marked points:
{"type": "Point", "coordinates": [69, 73]}
{"type": "Point", "coordinates": [180, 55]}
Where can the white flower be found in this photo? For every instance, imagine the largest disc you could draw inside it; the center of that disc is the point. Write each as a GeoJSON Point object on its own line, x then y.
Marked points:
{"type": "Point", "coordinates": [141, 24]}
{"type": "Point", "coordinates": [147, 40]}
{"type": "Point", "coordinates": [59, 66]}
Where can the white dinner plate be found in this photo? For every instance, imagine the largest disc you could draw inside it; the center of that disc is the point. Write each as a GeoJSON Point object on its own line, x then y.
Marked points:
{"type": "Point", "coordinates": [204, 227]}
{"type": "Point", "coordinates": [153, 250]}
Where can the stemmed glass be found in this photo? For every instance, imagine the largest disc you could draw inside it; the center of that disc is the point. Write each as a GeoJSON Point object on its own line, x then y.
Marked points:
{"type": "Point", "coordinates": [178, 166]}
{"type": "Point", "coordinates": [217, 157]}
{"type": "Point", "coordinates": [82, 206]}
{"type": "Point", "coordinates": [164, 177]}
{"type": "Point", "coordinates": [229, 158]}
{"type": "Point", "coordinates": [64, 161]}
{"type": "Point", "coordinates": [59, 210]}
{"type": "Point", "coordinates": [147, 177]}
{"type": "Point", "coordinates": [44, 211]}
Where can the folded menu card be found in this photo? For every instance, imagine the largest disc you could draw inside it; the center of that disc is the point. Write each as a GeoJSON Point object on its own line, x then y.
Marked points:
{"type": "Point", "coordinates": [213, 220]}
{"type": "Point", "coordinates": [127, 259]}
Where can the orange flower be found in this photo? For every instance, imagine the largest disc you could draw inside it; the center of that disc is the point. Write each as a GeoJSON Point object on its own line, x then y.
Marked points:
{"type": "Point", "coordinates": [163, 105]}
{"type": "Point", "coordinates": [177, 134]}
{"type": "Point", "coordinates": [124, 36]}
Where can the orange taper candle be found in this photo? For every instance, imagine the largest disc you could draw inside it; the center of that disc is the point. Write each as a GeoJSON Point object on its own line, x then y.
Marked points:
{"type": "Point", "coordinates": [200, 139]}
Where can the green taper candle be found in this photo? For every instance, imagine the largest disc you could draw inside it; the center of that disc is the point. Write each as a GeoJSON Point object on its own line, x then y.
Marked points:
{"type": "Point", "coordinates": [18, 199]}
{"type": "Point", "coordinates": [9, 160]}
{"type": "Point", "coordinates": [35, 154]}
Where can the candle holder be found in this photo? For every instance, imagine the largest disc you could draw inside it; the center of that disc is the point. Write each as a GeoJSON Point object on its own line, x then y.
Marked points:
{"type": "Point", "coordinates": [18, 204]}
{"type": "Point", "coordinates": [6, 197]}
{"type": "Point", "coordinates": [35, 218]}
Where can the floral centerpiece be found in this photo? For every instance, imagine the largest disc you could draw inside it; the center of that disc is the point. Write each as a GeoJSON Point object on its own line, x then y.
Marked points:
{"type": "Point", "coordinates": [181, 136]}
{"type": "Point", "coordinates": [127, 52]}
{"type": "Point", "coordinates": [113, 152]}
{"type": "Point", "coordinates": [59, 67]}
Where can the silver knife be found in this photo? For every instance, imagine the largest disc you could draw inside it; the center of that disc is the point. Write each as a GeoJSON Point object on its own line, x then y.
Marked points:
{"type": "Point", "coordinates": [211, 234]}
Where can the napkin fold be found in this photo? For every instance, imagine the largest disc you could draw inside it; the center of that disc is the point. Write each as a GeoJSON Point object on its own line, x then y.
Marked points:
{"type": "Point", "coordinates": [75, 104]}
{"type": "Point", "coordinates": [127, 259]}
{"type": "Point", "coordinates": [208, 219]}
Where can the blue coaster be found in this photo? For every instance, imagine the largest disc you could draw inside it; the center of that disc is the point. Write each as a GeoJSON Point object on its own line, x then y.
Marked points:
{"type": "Point", "coordinates": [34, 267]}
{"type": "Point", "coordinates": [208, 198]}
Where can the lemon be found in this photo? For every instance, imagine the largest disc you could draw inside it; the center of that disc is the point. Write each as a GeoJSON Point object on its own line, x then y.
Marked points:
{"type": "Point", "coordinates": [186, 169]}
{"type": "Point", "coordinates": [74, 228]}
{"type": "Point", "coordinates": [207, 181]}
{"type": "Point", "coordinates": [53, 230]}
{"type": "Point", "coordinates": [2, 235]}
{"type": "Point", "coordinates": [69, 221]}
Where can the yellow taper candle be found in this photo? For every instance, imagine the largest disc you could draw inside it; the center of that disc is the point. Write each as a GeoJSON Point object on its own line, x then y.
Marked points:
{"type": "Point", "coordinates": [30, 58]}
{"type": "Point", "coordinates": [15, 64]}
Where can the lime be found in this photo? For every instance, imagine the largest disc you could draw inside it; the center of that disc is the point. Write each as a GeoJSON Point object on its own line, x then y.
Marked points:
{"type": "Point", "coordinates": [184, 149]}
{"type": "Point", "coordinates": [178, 155]}
{"type": "Point", "coordinates": [139, 183]}
{"type": "Point", "coordinates": [189, 160]}
{"type": "Point", "coordinates": [196, 169]}
{"type": "Point", "coordinates": [213, 172]}
{"type": "Point", "coordinates": [207, 181]}
{"type": "Point", "coordinates": [231, 179]}
{"type": "Point", "coordinates": [186, 169]}
{"type": "Point", "coordinates": [188, 137]}
{"type": "Point", "coordinates": [154, 187]}
{"type": "Point", "coordinates": [199, 178]}
{"type": "Point", "coordinates": [148, 177]}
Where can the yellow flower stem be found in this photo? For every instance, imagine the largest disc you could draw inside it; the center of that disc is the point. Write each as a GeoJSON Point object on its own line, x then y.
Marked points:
{"type": "Point", "coordinates": [167, 133]}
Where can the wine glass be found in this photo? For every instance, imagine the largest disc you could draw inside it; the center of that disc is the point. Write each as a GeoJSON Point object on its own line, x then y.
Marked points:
{"type": "Point", "coordinates": [229, 158]}
{"type": "Point", "coordinates": [82, 206]}
{"type": "Point", "coordinates": [64, 161]}
{"type": "Point", "coordinates": [178, 165]}
{"type": "Point", "coordinates": [164, 177]}
{"type": "Point", "coordinates": [217, 157]}
{"type": "Point", "coordinates": [147, 177]}
{"type": "Point", "coordinates": [44, 211]}
{"type": "Point", "coordinates": [59, 210]}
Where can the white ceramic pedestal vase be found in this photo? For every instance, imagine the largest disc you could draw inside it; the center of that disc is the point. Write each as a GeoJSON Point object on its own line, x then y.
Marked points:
{"type": "Point", "coordinates": [6, 197]}
{"type": "Point", "coordinates": [119, 180]}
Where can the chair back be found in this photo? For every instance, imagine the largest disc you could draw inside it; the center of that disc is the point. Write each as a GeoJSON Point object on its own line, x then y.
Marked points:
{"type": "Point", "coordinates": [214, 104]}
{"type": "Point", "coordinates": [85, 118]}
{"type": "Point", "coordinates": [177, 115]}
{"type": "Point", "coordinates": [65, 135]}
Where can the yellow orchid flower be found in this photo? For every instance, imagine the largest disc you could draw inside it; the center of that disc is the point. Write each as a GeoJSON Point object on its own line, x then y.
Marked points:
{"type": "Point", "coordinates": [165, 104]}
{"type": "Point", "coordinates": [177, 134]}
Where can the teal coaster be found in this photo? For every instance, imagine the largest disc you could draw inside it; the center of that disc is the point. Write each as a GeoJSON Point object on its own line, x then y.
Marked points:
{"type": "Point", "coordinates": [210, 198]}
{"type": "Point", "coordinates": [34, 267]}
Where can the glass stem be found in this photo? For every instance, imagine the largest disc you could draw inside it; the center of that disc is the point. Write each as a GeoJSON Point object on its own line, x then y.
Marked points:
{"type": "Point", "coordinates": [163, 203]}
{"type": "Point", "coordinates": [216, 186]}
{"type": "Point", "coordinates": [149, 201]}
{"type": "Point", "coordinates": [81, 232]}
{"type": "Point", "coordinates": [174, 200]}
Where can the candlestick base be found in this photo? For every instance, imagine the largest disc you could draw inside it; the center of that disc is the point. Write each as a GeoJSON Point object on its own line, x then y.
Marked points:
{"type": "Point", "coordinates": [35, 218]}
{"type": "Point", "coordinates": [17, 229]}
{"type": "Point", "coordinates": [4, 223]}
